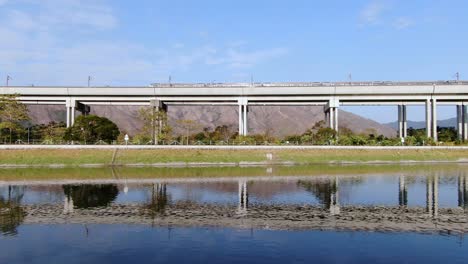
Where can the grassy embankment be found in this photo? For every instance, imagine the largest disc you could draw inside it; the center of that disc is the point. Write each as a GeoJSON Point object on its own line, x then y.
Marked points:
{"type": "Point", "coordinates": [38, 157]}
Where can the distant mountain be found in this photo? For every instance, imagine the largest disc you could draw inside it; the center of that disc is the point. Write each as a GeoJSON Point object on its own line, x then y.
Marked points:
{"type": "Point", "coordinates": [278, 120]}
{"type": "Point", "coordinates": [452, 122]}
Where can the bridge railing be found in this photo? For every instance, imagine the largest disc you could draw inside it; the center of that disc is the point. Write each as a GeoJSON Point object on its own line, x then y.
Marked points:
{"type": "Point", "coordinates": [304, 84]}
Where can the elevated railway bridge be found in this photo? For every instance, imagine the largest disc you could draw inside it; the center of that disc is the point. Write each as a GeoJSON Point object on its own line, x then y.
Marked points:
{"type": "Point", "coordinates": [329, 95]}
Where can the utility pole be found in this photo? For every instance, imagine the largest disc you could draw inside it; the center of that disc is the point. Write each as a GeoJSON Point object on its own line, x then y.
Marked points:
{"type": "Point", "coordinates": [350, 78]}
{"type": "Point", "coordinates": [457, 75]}
{"type": "Point", "coordinates": [89, 81]}
{"type": "Point", "coordinates": [8, 78]}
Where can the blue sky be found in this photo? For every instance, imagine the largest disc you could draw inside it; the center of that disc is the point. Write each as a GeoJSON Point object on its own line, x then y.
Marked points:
{"type": "Point", "coordinates": [121, 42]}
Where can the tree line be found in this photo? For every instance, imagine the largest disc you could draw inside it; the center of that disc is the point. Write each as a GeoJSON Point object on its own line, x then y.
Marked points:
{"type": "Point", "coordinates": [16, 128]}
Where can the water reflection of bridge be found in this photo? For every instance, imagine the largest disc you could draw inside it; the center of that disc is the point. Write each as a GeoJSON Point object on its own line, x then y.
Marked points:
{"type": "Point", "coordinates": [325, 190]}
{"type": "Point", "coordinates": [330, 192]}
{"type": "Point", "coordinates": [97, 203]}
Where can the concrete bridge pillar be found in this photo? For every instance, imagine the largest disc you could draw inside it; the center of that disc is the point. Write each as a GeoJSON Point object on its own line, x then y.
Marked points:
{"type": "Point", "coordinates": [434, 120]}
{"type": "Point", "coordinates": [431, 119]}
{"type": "Point", "coordinates": [73, 106]}
{"type": "Point", "coordinates": [460, 122]}
{"type": "Point", "coordinates": [243, 116]}
{"type": "Point", "coordinates": [465, 122]}
{"type": "Point", "coordinates": [70, 105]}
{"type": "Point", "coordinates": [428, 119]}
{"type": "Point", "coordinates": [402, 122]}
{"type": "Point", "coordinates": [331, 110]}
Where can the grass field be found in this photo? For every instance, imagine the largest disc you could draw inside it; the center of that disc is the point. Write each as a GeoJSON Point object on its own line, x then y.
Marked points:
{"type": "Point", "coordinates": [75, 157]}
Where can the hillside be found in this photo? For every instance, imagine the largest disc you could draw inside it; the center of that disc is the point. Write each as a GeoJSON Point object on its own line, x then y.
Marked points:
{"type": "Point", "coordinates": [452, 122]}
{"type": "Point", "coordinates": [277, 120]}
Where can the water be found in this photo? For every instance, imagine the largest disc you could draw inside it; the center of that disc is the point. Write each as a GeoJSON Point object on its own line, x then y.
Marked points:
{"type": "Point", "coordinates": [348, 214]}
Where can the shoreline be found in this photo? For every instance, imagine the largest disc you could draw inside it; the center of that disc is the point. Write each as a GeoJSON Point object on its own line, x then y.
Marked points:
{"type": "Point", "coordinates": [227, 164]}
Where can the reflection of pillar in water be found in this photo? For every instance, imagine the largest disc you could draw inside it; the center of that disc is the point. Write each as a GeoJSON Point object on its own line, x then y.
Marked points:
{"type": "Point", "coordinates": [68, 204]}
{"type": "Point", "coordinates": [334, 202]}
{"type": "Point", "coordinates": [436, 195]}
{"type": "Point", "coordinates": [403, 192]}
{"type": "Point", "coordinates": [463, 192]}
{"type": "Point", "coordinates": [159, 198]}
{"type": "Point", "coordinates": [429, 195]}
{"type": "Point", "coordinates": [432, 195]}
{"type": "Point", "coordinates": [243, 197]}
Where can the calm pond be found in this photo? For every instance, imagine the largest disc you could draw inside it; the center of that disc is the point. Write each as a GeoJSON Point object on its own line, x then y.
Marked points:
{"type": "Point", "coordinates": [322, 214]}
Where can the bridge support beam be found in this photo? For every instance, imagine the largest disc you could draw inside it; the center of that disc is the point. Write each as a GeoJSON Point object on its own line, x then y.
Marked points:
{"type": "Point", "coordinates": [243, 116]}
{"type": "Point", "coordinates": [465, 122]}
{"type": "Point", "coordinates": [460, 122]}
{"type": "Point", "coordinates": [434, 120]}
{"type": "Point", "coordinates": [331, 110]}
{"type": "Point", "coordinates": [70, 105]}
{"type": "Point", "coordinates": [73, 106]}
{"type": "Point", "coordinates": [431, 119]}
{"type": "Point", "coordinates": [82, 108]}
{"type": "Point", "coordinates": [402, 122]}
{"type": "Point", "coordinates": [428, 119]}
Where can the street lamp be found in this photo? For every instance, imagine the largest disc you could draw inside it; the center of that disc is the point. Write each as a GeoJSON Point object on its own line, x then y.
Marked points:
{"type": "Point", "coordinates": [8, 78]}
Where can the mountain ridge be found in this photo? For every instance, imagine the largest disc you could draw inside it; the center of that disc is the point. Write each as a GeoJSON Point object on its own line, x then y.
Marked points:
{"type": "Point", "coordinates": [276, 120]}
{"type": "Point", "coordinates": [451, 122]}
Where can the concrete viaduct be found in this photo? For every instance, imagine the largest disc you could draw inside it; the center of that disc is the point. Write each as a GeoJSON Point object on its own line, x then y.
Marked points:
{"type": "Point", "coordinates": [329, 95]}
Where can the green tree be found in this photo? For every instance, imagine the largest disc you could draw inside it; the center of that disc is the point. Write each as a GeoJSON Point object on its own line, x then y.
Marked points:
{"type": "Point", "coordinates": [12, 114]}
{"type": "Point", "coordinates": [418, 137]}
{"type": "Point", "coordinates": [52, 131]}
{"type": "Point", "coordinates": [324, 135]}
{"type": "Point", "coordinates": [447, 134]}
{"type": "Point", "coordinates": [223, 133]}
{"type": "Point", "coordinates": [11, 212]}
{"type": "Point", "coordinates": [187, 127]}
{"type": "Point", "coordinates": [155, 125]}
{"type": "Point", "coordinates": [92, 128]}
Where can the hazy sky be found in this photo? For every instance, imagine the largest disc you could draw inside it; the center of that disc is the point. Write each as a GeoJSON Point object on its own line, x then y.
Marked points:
{"type": "Point", "coordinates": [121, 42]}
